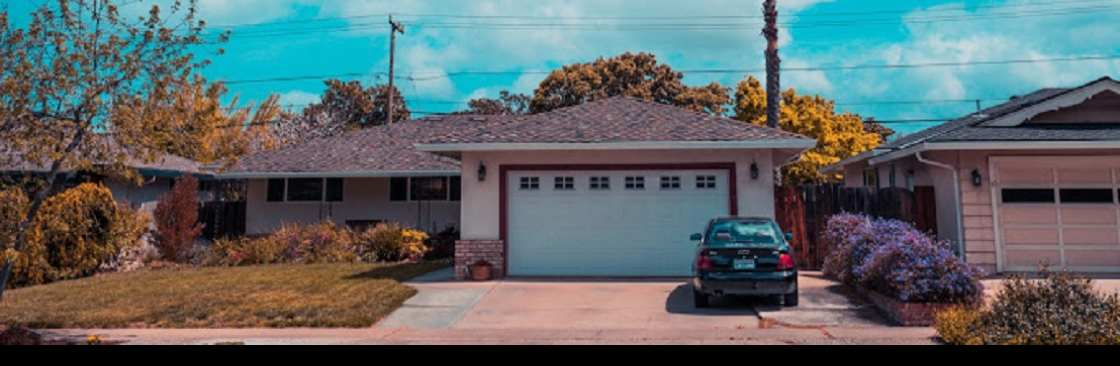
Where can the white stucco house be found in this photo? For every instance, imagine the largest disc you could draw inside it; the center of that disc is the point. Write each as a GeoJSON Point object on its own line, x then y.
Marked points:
{"type": "Point", "coordinates": [1031, 181]}
{"type": "Point", "coordinates": [608, 188]}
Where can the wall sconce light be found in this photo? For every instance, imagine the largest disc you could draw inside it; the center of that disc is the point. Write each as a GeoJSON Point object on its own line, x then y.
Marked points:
{"type": "Point", "coordinates": [755, 173]}
{"type": "Point", "coordinates": [481, 172]}
{"type": "Point", "coordinates": [977, 179]}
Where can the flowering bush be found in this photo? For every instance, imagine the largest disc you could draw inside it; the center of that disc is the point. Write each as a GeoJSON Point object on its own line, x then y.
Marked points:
{"type": "Point", "coordinates": [1059, 309]}
{"type": "Point", "coordinates": [319, 243]}
{"type": "Point", "coordinates": [391, 242]}
{"type": "Point", "coordinates": [898, 260]}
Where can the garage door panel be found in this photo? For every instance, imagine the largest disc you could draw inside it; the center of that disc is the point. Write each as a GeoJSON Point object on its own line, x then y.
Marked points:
{"type": "Point", "coordinates": [1029, 215]}
{"type": "Point", "coordinates": [1089, 216]}
{"type": "Point", "coordinates": [615, 232]}
{"type": "Point", "coordinates": [1093, 258]}
{"type": "Point", "coordinates": [1091, 236]}
{"type": "Point", "coordinates": [1084, 176]}
{"type": "Point", "coordinates": [1031, 237]}
{"type": "Point", "coordinates": [1033, 258]}
{"type": "Point", "coordinates": [1026, 174]}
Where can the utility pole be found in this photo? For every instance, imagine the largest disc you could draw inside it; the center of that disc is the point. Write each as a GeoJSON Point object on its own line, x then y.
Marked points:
{"type": "Point", "coordinates": [394, 28]}
{"type": "Point", "coordinates": [773, 65]}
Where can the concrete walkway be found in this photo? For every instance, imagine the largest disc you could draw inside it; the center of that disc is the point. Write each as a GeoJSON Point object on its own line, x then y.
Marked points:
{"type": "Point", "coordinates": [439, 304]}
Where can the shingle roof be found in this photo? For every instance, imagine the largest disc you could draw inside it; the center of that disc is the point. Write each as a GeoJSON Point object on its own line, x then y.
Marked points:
{"type": "Point", "coordinates": [619, 119]}
{"type": "Point", "coordinates": [947, 129]}
{"type": "Point", "coordinates": [12, 162]}
{"type": "Point", "coordinates": [388, 148]}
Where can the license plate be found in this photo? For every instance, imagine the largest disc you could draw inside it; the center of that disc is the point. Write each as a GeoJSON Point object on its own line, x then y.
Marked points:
{"type": "Point", "coordinates": [745, 264]}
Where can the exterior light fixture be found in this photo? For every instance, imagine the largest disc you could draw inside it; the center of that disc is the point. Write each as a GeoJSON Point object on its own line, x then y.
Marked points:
{"type": "Point", "coordinates": [755, 173]}
{"type": "Point", "coordinates": [977, 179]}
{"type": "Point", "coordinates": [481, 172]}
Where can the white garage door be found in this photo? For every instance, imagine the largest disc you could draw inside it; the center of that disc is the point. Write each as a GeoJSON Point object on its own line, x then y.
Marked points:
{"type": "Point", "coordinates": [1059, 211]}
{"type": "Point", "coordinates": [611, 223]}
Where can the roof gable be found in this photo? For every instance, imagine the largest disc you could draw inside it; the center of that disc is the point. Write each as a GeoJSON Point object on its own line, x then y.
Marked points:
{"type": "Point", "coordinates": [1070, 99]}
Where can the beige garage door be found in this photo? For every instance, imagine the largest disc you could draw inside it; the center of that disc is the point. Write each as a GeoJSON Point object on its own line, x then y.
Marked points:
{"type": "Point", "coordinates": [1058, 211]}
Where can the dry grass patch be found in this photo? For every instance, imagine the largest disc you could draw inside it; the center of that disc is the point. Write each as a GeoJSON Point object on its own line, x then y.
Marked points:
{"type": "Point", "coordinates": [334, 295]}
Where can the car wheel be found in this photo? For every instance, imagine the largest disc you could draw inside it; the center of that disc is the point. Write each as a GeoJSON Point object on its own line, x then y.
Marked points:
{"type": "Point", "coordinates": [792, 300]}
{"type": "Point", "coordinates": [701, 300]}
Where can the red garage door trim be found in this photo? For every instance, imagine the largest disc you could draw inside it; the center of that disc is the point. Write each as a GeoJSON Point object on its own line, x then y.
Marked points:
{"type": "Point", "coordinates": [503, 194]}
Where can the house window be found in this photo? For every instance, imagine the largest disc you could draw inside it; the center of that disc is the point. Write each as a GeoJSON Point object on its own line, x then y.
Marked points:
{"type": "Point", "coordinates": [305, 190]}
{"type": "Point", "coordinates": [335, 189]}
{"type": "Point", "coordinates": [426, 189]}
{"type": "Point", "coordinates": [635, 183]}
{"type": "Point", "coordinates": [1028, 196]}
{"type": "Point", "coordinates": [871, 178]}
{"type": "Point", "coordinates": [276, 190]}
{"type": "Point", "coordinates": [456, 189]}
{"type": "Point", "coordinates": [670, 182]}
{"type": "Point", "coordinates": [1091, 196]}
{"type": "Point", "coordinates": [565, 183]}
{"type": "Point", "coordinates": [600, 183]}
{"type": "Point", "coordinates": [706, 182]}
{"type": "Point", "coordinates": [530, 183]}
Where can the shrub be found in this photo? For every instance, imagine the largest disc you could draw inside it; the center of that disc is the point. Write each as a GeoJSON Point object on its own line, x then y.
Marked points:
{"type": "Point", "coordinates": [176, 217]}
{"type": "Point", "coordinates": [896, 259]}
{"type": "Point", "coordinates": [245, 251]}
{"type": "Point", "coordinates": [78, 232]}
{"type": "Point", "coordinates": [1059, 309]}
{"type": "Point", "coordinates": [20, 337]}
{"type": "Point", "coordinates": [443, 245]}
{"type": "Point", "coordinates": [957, 326]}
{"type": "Point", "coordinates": [391, 242]}
{"type": "Point", "coordinates": [319, 243]}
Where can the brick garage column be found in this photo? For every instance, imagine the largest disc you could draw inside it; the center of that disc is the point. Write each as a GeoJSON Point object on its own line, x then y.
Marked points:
{"type": "Point", "coordinates": [469, 252]}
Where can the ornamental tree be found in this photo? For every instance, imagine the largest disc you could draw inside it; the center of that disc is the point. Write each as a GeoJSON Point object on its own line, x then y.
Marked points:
{"type": "Point", "coordinates": [85, 88]}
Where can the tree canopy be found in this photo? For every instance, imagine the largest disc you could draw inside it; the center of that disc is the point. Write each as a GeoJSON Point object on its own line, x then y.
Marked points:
{"type": "Point", "coordinates": [359, 107]}
{"type": "Point", "coordinates": [839, 135]}
{"type": "Point", "coordinates": [84, 88]}
{"type": "Point", "coordinates": [635, 75]}
{"type": "Point", "coordinates": [507, 104]}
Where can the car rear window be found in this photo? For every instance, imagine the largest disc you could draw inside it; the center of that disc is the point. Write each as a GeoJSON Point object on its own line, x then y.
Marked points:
{"type": "Point", "coordinates": [744, 233]}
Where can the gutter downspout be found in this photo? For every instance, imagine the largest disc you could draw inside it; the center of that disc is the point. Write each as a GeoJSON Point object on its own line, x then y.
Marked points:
{"type": "Point", "coordinates": [956, 197]}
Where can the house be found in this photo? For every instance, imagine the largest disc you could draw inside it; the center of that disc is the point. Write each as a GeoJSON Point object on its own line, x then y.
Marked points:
{"type": "Point", "coordinates": [608, 188]}
{"type": "Point", "coordinates": [1033, 180]}
{"type": "Point", "coordinates": [359, 179]}
{"type": "Point", "coordinates": [158, 177]}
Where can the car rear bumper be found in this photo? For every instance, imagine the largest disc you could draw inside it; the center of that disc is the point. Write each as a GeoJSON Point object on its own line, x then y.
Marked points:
{"type": "Point", "coordinates": [785, 284]}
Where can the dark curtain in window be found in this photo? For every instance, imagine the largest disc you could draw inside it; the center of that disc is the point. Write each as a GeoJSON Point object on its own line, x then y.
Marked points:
{"type": "Point", "coordinates": [275, 190]}
{"type": "Point", "coordinates": [305, 190]}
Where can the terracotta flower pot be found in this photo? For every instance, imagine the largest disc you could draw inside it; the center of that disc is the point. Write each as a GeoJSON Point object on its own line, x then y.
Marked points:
{"type": "Point", "coordinates": [482, 271]}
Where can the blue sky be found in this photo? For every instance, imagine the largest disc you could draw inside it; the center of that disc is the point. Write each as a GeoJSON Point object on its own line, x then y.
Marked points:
{"type": "Point", "coordinates": [327, 37]}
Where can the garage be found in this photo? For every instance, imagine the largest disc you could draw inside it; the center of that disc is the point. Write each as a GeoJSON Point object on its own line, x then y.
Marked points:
{"type": "Point", "coordinates": [1061, 211]}
{"type": "Point", "coordinates": [622, 223]}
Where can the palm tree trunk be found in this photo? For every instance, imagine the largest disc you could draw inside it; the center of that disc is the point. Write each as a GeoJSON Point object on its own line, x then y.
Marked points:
{"type": "Point", "coordinates": [773, 65]}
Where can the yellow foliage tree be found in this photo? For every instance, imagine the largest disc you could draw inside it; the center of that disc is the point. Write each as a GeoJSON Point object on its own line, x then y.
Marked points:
{"type": "Point", "coordinates": [839, 135]}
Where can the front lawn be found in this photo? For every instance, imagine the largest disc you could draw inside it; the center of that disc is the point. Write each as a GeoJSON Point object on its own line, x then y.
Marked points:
{"type": "Point", "coordinates": [335, 295]}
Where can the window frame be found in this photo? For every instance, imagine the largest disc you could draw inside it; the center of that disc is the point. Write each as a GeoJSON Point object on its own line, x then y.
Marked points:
{"type": "Point", "coordinates": [707, 182]}
{"type": "Point", "coordinates": [449, 184]}
{"type": "Point", "coordinates": [286, 185]}
{"type": "Point", "coordinates": [671, 183]}
{"type": "Point", "coordinates": [635, 183]}
{"type": "Point", "coordinates": [602, 183]}
{"type": "Point", "coordinates": [564, 184]}
{"type": "Point", "coordinates": [529, 183]}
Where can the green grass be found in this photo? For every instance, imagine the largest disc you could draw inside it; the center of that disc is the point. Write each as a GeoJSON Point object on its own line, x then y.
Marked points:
{"type": "Point", "coordinates": [339, 295]}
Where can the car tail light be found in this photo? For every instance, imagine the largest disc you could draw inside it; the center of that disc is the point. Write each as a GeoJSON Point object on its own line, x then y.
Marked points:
{"type": "Point", "coordinates": [785, 262]}
{"type": "Point", "coordinates": [704, 263]}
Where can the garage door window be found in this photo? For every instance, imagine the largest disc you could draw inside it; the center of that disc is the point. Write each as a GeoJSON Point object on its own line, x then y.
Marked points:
{"type": "Point", "coordinates": [1028, 196]}
{"type": "Point", "coordinates": [565, 183]}
{"type": "Point", "coordinates": [530, 184]}
{"type": "Point", "coordinates": [635, 183]}
{"type": "Point", "coordinates": [600, 183]}
{"type": "Point", "coordinates": [1088, 196]}
{"type": "Point", "coordinates": [706, 182]}
{"type": "Point", "coordinates": [670, 182]}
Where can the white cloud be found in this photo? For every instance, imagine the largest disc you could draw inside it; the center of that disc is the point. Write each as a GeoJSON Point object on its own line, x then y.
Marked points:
{"type": "Point", "coordinates": [298, 98]}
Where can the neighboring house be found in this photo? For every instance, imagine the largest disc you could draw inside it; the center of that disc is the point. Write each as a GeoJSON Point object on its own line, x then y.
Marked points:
{"type": "Point", "coordinates": [158, 177]}
{"type": "Point", "coordinates": [1030, 181]}
{"type": "Point", "coordinates": [608, 188]}
{"type": "Point", "coordinates": [358, 179]}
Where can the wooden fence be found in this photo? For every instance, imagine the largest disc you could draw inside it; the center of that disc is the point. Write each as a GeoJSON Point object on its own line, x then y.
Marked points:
{"type": "Point", "coordinates": [805, 211]}
{"type": "Point", "coordinates": [222, 219]}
